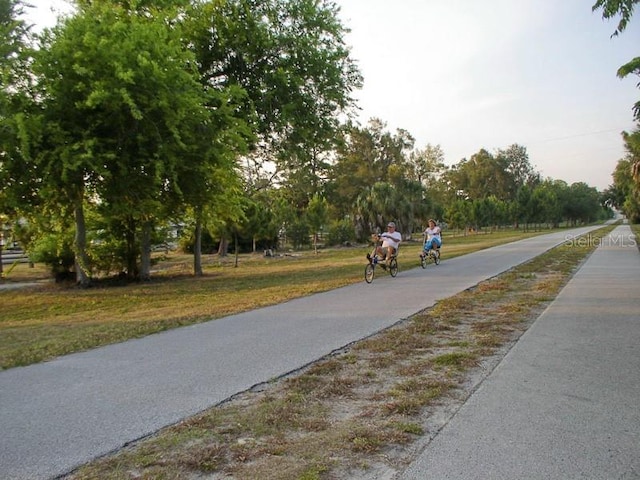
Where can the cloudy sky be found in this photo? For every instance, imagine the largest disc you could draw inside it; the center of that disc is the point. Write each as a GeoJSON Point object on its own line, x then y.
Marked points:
{"type": "Point", "coordinates": [466, 75]}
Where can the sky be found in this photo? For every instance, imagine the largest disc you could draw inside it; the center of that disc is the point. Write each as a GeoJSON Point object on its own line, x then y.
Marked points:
{"type": "Point", "coordinates": [467, 75]}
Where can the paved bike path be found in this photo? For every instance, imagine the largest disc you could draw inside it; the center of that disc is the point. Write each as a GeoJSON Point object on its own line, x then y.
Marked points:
{"type": "Point", "coordinates": [60, 414]}
{"type": "Point", "coordinates": [564, 403]}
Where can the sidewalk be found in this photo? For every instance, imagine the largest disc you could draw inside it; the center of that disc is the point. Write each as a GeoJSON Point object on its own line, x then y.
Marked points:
{"type": "Point", "coordinates": [60, 414]}
{"type": "Point", "coordinates": [565, 401]}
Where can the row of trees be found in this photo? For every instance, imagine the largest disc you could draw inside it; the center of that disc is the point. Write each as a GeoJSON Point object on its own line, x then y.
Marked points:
{"type": "Point", "coordinates": [550, 202]}
{"type": "Point", "coordinates": [231, 120]}
{"type": "Point", "coordinates": [133, 113]}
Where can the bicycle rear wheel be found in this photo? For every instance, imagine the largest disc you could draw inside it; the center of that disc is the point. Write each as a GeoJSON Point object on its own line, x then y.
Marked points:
{"type": "Point", "coordinates": [393, 267]}
{"type": "Point", "coordinates": [369, 272]}
{"type": "Point", "coordinates": [436, 257]}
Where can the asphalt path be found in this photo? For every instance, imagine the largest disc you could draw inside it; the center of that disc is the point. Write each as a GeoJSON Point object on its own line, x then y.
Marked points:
{"type": "Point", "coordinates": [564, 403]}
{"type": "Point", "coordinates": [63, 413]}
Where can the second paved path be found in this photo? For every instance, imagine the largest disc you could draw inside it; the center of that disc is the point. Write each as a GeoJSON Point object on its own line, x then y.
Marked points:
{"type": "Point", "coordinates": [564, 402]}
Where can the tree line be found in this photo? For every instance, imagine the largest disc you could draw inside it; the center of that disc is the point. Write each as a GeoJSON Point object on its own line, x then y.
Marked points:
{"type": "Point", "coordinates": [231, 121]}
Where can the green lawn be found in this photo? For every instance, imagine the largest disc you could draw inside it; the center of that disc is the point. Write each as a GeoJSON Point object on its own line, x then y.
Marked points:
{"type": "Point", "coordinates": [37, 324]}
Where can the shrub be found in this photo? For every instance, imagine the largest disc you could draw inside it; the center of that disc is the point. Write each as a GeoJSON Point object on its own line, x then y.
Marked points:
{"type": "Point", "coordinates": [340, 232]}
{"type": "Point", "coordinates": [54, 250]}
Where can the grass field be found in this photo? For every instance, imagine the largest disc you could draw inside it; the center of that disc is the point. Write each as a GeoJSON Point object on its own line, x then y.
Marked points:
{"type": "Point", "coordinates": [49, 320]}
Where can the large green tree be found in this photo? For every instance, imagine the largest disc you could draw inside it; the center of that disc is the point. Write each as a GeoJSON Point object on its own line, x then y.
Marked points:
{"type": "Point", "coordinates": [120, 100]}
{"type": "Point", "coordinates": [15, 100]}
{"type": "Point", "coordinates": [584, 204]}
{"type": "Point", "coordinates": [521, 172]}
{"type": "Point", "coordinates": [290, 59]}
{"type": "Point", "coordinates": [368, 155]}
{"type": "Point", "coordinates": [428, 164]}
{"type": "Point", "coordinates": [482, 175]}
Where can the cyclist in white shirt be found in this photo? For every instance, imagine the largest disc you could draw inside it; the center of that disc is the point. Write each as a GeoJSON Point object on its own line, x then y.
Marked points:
{"type": "Point", "coordinates": [390, 241]}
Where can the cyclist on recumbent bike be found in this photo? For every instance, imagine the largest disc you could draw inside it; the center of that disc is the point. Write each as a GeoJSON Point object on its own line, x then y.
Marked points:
{"type": "Point", "coordinates": [390, 241]}
{"type": "Point", "coordinates": [433, 239]}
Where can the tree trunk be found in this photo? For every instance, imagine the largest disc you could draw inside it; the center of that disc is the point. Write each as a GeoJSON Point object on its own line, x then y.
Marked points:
{"type": "Point", "coordinates": [145, 252]}
{"type": "Point", "coordinates": [235, 236]}
{"type": "Point", "coordinates": [223, 248]}
{"type": "Point", "coordinates": [197, 246]}
{"type": "Point", "coordinates": [131, 255]}
{"type": "Point", "coordinates": [81, 259]}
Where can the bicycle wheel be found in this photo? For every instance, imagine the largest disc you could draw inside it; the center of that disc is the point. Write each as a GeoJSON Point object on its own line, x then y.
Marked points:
{"type": "Point", "coordinates": [369, 271]}
{"type": "Point", "coordinates": [393, 267]}
{"type": "Point", "coordinates": [436, 257]}
{"type": "Point", "coordinates": [423, 261]}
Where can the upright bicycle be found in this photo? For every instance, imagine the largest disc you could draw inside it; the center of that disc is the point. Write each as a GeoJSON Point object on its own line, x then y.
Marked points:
{"type": "Point", "coordinates": [390, 264]}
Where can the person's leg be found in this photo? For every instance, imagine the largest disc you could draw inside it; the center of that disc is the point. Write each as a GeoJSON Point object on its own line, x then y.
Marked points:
{"type": "Point", "coordinates": [392, 252]}
{"type": "Point", "coordinates": [423, 253]}
{"type": "Point", "coordinates": [437, 243]}
{"type": "Point", "coordinates": [429, 245]}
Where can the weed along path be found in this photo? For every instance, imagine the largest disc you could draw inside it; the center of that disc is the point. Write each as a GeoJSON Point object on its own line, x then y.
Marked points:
{"type": "Point", "coordinates": [60, 414]}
